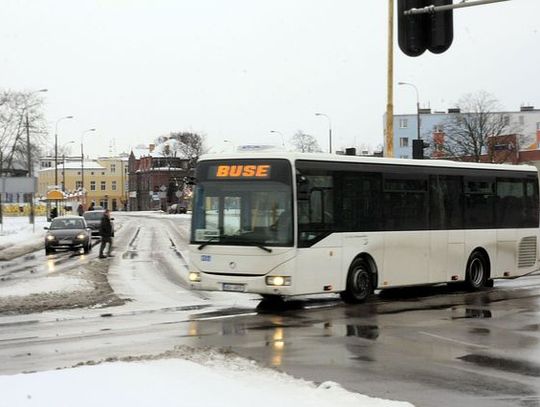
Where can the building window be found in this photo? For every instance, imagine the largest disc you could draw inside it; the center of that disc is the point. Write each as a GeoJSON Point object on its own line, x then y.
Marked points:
{"type": "Point", "coordinates": [92, 173]}
{"type": "Point", "coordinates": [403, 123]}
{"type": "Point", "coordinates": [78, 184]}
{"type": "Point", "coordinates": [102, 173]}
{"type": "Point", "coordinates": [104, 203]}
{"type": "Point", "coordinates": [113, 185]}
{"type": "Point", "coordinates": [103, 185]}
{"type": "Point", "coordinates": [113, 168]}
{"type": "Point", "coordinates": [404, 142]}
{"type": "Point", "coordinates": [92, 185]}
{"type": "Point", "coordinates": [404, 156]}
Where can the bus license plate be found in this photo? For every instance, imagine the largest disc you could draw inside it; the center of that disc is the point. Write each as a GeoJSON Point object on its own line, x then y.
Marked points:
{"type": "Point", "coordinates": [234, 287]}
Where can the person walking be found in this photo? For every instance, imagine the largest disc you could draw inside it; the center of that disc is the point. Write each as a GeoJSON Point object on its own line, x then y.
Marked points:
{"type": "Point", "coordinates": [105, 231]}
{"type": "Point", "coordinates": [80, 210]}
{"type": "Point", "coordinates": [91, 207]}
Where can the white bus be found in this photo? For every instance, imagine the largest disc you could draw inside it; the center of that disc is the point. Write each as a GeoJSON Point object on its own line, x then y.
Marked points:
{"type": "Point", "coordinates": [283, 224]}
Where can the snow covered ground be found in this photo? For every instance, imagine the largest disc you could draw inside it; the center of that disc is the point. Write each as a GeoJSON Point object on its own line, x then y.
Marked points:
{"type": "Point", "coordinates": [183, 377]}
{"type": "Point", "coordinates": [207, 378]}
{"type": "Point", "coordinates": [18, 236]}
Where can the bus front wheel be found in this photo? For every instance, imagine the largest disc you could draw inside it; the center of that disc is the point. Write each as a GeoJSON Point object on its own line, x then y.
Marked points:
{"type": "Point", "coordinates": [359, 283]}
{"type": "Point", "coordinates": [477, 272]}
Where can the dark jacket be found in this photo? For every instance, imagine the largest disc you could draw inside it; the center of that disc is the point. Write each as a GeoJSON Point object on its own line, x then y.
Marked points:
{"type": "Point", "coordinates": [105, 227]}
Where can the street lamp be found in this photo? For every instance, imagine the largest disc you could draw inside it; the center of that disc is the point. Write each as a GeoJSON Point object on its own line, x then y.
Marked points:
{"type": "Point", "coordinates": [282, 138]}
{"type": "Point", "coordinates": [64, 165]}
{"type": "Point", "coordinates": [329, 130]}
{"type": "Point", "coordinates": [56, 148]}
{"type": "Point", "coordinates": [82, 157]}
{"type": "Point", "coordinates": [417, 107]}
{"type": "Point", "coordinates": [29, 157]}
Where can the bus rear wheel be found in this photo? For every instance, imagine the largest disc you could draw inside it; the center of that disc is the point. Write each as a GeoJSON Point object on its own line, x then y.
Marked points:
{"type": "Point", "coordinates": [359, 283]}
{"type": "Point", "coordinates": [477, 272]}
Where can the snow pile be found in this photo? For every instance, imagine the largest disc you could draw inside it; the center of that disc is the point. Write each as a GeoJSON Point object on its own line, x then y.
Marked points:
{"type": "Point", "coordinates": [209, 379]}
{"type": "Point", "coordinates": [46, 284]}
{"type": "Point", "coordinates": [18, 236]}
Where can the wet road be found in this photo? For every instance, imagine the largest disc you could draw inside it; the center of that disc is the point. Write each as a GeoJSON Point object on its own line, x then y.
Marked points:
{"type": "Point", "coordinates": [430, 346]}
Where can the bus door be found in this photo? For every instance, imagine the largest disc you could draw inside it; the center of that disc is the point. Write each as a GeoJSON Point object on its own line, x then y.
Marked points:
{"type": "Point", "coordinates": [447, 245]}
{"type": "Point", "coordinates": [319, 249]}
{"type": "Point", "coordinates": [406, 237]}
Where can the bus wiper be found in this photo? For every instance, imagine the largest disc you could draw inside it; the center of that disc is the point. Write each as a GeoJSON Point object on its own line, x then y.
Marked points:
{"type": "Point", "coordinates": [203, 245]}
{"type": "Point", "coordinates": [247, 242]}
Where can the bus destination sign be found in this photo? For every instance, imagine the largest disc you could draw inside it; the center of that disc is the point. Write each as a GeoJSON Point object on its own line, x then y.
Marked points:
{"type": "Point", "coordinates": [251, 171]}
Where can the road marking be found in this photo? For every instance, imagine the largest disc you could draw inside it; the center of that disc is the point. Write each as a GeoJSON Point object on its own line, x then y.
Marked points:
{"type": "Point", "coordinates": [444, 338]}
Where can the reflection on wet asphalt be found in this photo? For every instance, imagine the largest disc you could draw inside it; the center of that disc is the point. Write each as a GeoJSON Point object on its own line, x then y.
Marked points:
{"type": "Point", "coordinates": [431, 346]}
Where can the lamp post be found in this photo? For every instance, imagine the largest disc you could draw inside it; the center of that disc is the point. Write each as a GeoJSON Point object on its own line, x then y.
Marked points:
{"type": "Point", "coordinates": [64, 165]}
{"type": "Point", "coordinates": [56, 148]}
{"type": "Point", "coordinates": [417, 107]}
{"type": "Point", "coordinates": [82, 157]}
{"type": "Point", "coordinates": [329, 131]}
{"type": "Point", "coordinates": [282, 138]}
{"type": "Point", "coordinates": [29, 158]}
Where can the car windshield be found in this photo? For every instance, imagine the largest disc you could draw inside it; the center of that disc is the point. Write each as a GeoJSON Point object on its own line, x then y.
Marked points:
{"type": "Point", "coordinates": [67, 224]}
{"type": "Point", "coordinates": [93, 215]}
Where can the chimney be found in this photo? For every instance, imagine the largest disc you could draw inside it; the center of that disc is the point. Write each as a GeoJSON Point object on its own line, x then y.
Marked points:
{"type": "Point", "coordinates": [151, 147]}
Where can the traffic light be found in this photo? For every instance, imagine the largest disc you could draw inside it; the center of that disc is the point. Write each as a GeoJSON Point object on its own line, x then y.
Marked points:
{"type": "Point", "coordinates": [441, 28]}
{"type": "Point", "coordinates": [412, 33]}
{"type": "Point", "coordinates": [418, 32]}
{"type": "Point", "coordinates": [418, 149]}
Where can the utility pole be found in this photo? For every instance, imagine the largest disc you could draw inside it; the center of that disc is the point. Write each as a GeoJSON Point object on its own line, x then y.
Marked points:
{"type": "Point", "coordinates": [1, 191]}
{"type": "Point", "coordinates": [29, 159]}
{"type": "Point", "coordinates": [390, 84]}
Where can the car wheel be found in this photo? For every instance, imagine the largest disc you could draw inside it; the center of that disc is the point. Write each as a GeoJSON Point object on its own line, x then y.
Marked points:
{"type": "Point", "coordinates": [87, 247]}
{"type": "Point", "coordinates": [48, 251]}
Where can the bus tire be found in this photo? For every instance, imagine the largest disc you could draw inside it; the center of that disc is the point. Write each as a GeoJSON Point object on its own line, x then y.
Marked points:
{"type": "Point", "coordinates": [359, 283]}
{"type": "Point", "coordinates": [477, 273]}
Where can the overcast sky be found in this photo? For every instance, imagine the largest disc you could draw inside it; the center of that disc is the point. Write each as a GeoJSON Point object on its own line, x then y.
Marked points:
{"type": "Point", "coordinates": [237, 69]}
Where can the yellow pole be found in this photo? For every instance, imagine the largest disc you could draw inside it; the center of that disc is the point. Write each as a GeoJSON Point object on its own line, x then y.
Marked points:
{"type": "Point", "coordinates": [390, 84]}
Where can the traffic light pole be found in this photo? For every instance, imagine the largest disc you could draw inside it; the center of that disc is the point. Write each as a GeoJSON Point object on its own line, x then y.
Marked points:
{"type": "Point", "coordinates": [390, 84]}
{"type": "Point", "coordinates": [435, 9]}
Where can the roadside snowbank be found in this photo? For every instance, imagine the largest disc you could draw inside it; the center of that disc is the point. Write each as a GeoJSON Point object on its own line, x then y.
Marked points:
{"type": "Point", "coordinates": [209, 379]}
{"type": "Point", "coordinates": [18, 236]}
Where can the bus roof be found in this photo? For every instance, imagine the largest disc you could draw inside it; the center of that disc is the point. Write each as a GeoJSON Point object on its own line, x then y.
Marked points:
{"type": "Point", "coordinates": [294, 156]}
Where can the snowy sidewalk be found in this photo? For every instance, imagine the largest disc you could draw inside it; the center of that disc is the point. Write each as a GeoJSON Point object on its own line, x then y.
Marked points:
{"type": "Point", "coordinates": [18, 237]}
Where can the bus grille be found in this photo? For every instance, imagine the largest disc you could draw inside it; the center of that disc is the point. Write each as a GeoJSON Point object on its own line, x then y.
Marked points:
{"type": "Point", "coordinates": [527, 252]}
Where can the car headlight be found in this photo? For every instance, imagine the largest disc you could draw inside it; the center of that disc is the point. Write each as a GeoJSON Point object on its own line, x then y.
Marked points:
{"type": "Point", "coordinates": [278, 280]}
{"type": "Point", "coordinates": [194, 276]}
{"type": "Point", "coordinates": [81, 236]}
{"type": "Point", "coordinates": [50, 237]}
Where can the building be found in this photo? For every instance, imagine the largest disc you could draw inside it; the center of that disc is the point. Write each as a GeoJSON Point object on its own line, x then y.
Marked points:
{"type": "Point", "coordinates": [156, 177]}
{"type": "Point", "coordinates": [432, 124]}
{"type": "Point", "coordinates": [105, 180]}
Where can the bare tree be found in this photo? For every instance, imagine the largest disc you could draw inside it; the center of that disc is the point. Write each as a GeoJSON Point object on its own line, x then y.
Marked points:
{"type": "Point", "coordinates": [186, 145]}
{"type": "Point", "coordinates": [467, 134]}
{"type": "Point", "coordinates": [305, 143]}
{"type": "Point", "coordinates": [15, 107]}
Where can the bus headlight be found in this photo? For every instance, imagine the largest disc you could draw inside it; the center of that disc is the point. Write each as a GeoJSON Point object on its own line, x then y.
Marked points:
{"type": "Point", "coordinates": [194, 276]}
{"type": "Point", "coordinates": [278, 280]}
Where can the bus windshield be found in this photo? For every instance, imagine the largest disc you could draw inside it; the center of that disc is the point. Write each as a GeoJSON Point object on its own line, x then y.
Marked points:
{"type": "Point", "coordinates": [235, 209]}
